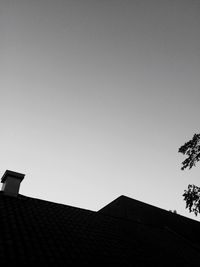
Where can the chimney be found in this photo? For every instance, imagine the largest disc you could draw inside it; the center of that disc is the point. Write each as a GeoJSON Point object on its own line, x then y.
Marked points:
{"type": "Point", "coordinates": [11, 183]}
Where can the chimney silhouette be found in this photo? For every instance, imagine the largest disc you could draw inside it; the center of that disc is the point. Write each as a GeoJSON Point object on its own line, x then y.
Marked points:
{"type": "Point", "coordinates": [11, 183]}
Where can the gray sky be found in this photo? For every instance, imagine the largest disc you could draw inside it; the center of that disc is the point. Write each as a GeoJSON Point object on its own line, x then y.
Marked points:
{"type": "Point", "coordinates": [97, 96]}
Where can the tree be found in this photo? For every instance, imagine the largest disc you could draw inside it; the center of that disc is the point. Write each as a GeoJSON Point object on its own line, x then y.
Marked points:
{"type": "Point", "coordinates": [192, 150]}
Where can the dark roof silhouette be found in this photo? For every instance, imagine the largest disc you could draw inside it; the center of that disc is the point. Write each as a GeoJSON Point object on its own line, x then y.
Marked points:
{"type": "Point", "coordinates": [126, 232]}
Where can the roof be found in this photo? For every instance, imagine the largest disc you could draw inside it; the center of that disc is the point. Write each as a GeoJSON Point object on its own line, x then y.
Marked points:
{"type": "Point", "coordinates": [124, 233]}
{"type": "Point", "coordinates": [137, 211]}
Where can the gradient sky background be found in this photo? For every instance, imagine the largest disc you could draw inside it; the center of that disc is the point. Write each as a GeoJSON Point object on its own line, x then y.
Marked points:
{"type": "Point", "coordinates": [97, 96]}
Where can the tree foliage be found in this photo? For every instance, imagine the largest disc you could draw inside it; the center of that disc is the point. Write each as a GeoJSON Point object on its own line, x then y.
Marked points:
{"type": "Point", "coordinates": [192, 150]}
{"type": "Point", "coordinates": [192, 198]}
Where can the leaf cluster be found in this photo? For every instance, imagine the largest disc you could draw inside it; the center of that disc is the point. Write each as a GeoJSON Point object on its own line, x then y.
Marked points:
{"type": "Point", "coordinates": [192, 150]}
{"type": "Point", "coordinates": [192, 198]}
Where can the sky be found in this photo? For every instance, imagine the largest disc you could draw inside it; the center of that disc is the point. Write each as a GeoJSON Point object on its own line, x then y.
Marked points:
{"type": "Point", "coordinates": [97, 96]}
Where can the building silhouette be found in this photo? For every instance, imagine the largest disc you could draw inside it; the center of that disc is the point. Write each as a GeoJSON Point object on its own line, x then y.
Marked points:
{"type": "Point", "coordinates": [126, 232]}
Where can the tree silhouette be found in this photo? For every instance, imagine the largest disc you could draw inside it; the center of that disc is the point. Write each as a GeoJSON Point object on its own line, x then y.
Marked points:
{"type": "Point", "coordinates": [192, 150]}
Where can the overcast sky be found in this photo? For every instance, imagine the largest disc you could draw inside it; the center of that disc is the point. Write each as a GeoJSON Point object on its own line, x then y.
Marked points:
{"type": "Point", "coordinates": [97, 96]}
